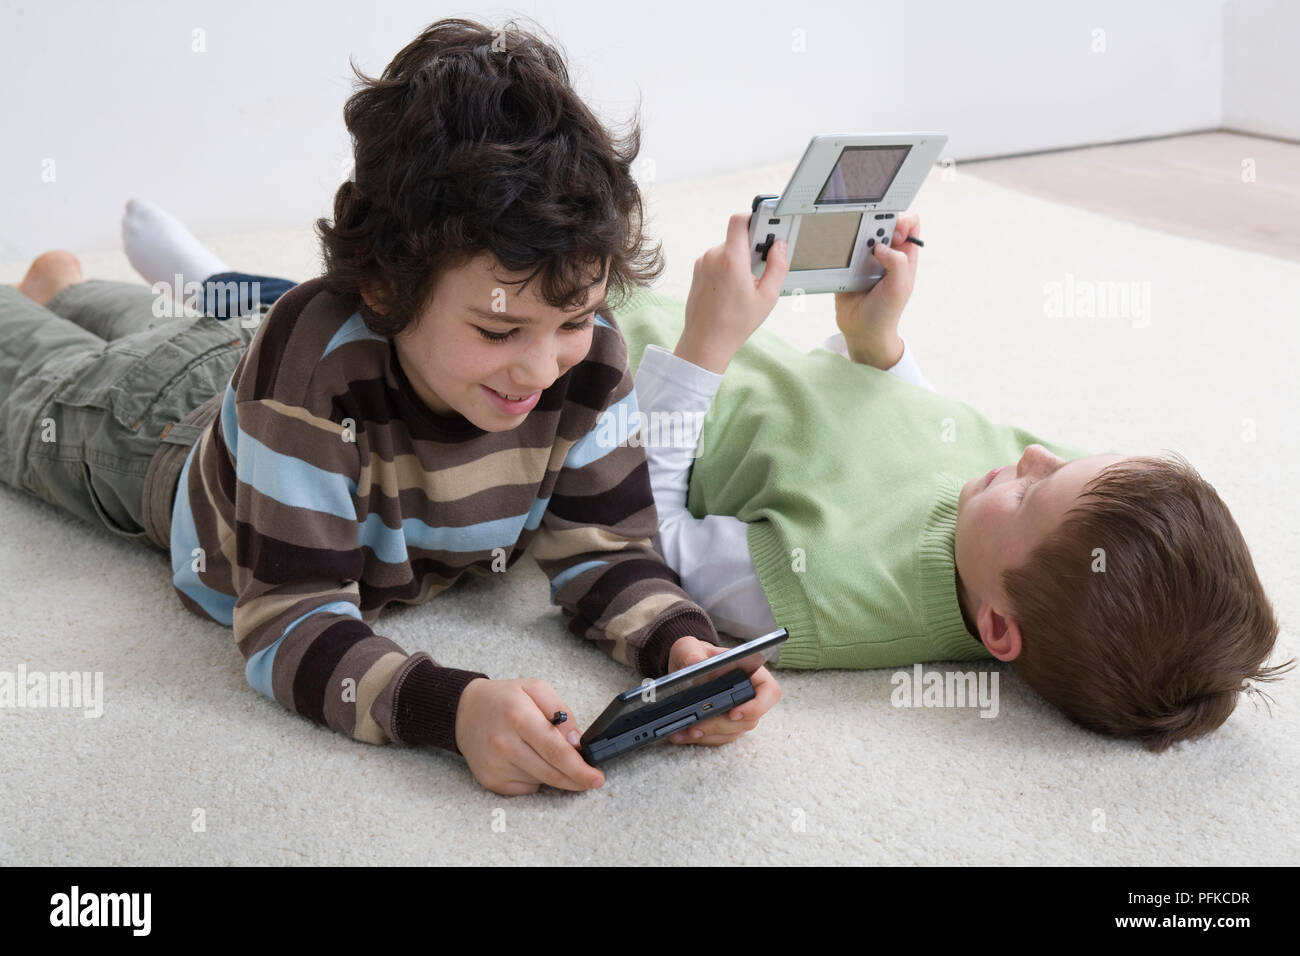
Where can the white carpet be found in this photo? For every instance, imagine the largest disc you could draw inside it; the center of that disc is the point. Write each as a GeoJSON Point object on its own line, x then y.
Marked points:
{"type": "Point", "coordinates": [834, 774]}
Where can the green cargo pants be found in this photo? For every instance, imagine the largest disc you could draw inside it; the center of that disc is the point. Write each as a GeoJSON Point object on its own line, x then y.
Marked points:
{"type": "Point", "coordinates": [93, 383]}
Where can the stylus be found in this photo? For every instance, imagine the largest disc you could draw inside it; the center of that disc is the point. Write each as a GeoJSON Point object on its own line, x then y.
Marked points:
{"type": "Point", "coordinates": [916, 240]}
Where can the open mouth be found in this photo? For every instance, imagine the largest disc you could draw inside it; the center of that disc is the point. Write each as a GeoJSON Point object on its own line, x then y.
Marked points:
{"type": "Point", "coordinates": [513, 404]}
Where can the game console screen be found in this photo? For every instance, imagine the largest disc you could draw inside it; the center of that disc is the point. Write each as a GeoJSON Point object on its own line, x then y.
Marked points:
{"type": "Point", "coordinates": [825, 241]}
{"type": "Point", "coordinates": [863, 174]}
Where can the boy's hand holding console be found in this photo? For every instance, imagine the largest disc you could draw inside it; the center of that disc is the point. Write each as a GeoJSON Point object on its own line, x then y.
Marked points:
{"type": "Point", "coordinates": [843, 215]}
{"type": "Point", "coordinates": [514, 739]}
{"type": "Point", "coordinates": [870, 319]}
{"type": "Point", "coordinates": [697, 696]}
{"type": "Point", "coordinates": [843, 201]}
{"type": "Point", "coordinates": [722, 729]}
{"type": "Point", "coordinates": [841, 226]}
{"type": "Point", "coordinates": [513, 744]}
{"type": "Point", "coordinates": [838, 228]}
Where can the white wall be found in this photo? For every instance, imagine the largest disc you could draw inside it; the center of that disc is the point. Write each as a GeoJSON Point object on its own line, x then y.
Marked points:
{"type": "Point", "coordinates": [1261, 67]}
{"type": "Point", "coordinates": [249, 133]}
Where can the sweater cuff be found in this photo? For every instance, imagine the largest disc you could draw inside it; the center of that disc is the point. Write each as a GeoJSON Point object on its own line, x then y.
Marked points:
{"type": "Point", "coordinates": [653, 658]}
{"type": "Point", "coordinates": [425, 708]}
{"type": "Point", "coordinates": [661, 363]}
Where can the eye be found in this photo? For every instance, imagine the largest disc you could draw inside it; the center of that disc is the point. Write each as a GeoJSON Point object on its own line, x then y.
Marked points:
{"type": "Point", "coordinates": [502, 336]}
{"type": "Point", "coordinates": [1024, 490]}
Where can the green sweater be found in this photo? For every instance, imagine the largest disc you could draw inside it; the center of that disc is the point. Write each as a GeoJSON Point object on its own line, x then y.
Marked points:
{"type": "Point", "coordinates": [848, 477]}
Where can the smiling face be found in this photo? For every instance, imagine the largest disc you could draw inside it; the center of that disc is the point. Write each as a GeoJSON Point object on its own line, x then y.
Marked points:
{"type": "Point", "coordinates": [1001, 518]}
{"type": "Point", "coordinates": [487, 351]}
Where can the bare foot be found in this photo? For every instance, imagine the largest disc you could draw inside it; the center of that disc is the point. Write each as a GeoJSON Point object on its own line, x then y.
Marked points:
{"type": "Point", "coordinates": [50, 273]}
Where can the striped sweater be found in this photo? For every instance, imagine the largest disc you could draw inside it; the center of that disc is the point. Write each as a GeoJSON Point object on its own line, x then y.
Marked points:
{"type": "Point", "coordinates": [323, 489]}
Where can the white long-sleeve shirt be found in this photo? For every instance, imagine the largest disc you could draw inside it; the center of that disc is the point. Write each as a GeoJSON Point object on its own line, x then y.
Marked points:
{"type": "Point", "coordinates": [710, 554]}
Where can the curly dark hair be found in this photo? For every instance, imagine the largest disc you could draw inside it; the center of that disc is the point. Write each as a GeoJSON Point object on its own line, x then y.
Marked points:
{"type": "Point", "coordinates": [1159, 640]}
{"type": "Point", "coordinates": [472, 141]}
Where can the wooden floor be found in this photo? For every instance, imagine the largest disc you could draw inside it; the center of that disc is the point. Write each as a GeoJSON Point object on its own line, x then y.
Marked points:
{"type": "Point", "coordinates": [1196, 185]}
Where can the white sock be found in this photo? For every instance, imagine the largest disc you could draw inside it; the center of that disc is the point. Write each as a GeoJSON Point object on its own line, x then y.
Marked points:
{"type": "Point", "coordinates": [160, 248]}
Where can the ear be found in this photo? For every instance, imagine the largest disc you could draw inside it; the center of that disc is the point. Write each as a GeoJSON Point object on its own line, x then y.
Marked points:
{"type": "Point", "coordinates": [1000, 633]}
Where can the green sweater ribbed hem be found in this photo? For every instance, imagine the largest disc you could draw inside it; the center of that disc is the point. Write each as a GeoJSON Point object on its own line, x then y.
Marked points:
{"type": "Point", "coordinates": [772, 561]}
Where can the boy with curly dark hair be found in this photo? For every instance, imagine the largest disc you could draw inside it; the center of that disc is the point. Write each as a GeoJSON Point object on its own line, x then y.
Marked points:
{"type": "Point", "coordinates": [431, 406]}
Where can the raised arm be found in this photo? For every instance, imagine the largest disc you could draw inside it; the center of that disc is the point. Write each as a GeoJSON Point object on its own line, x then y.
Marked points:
{"type": "Point", "coordinates": [905, 368]}
{"type": "Point", "coordinates": [869, 320]}
{"type": "Point", "coordinates": [710, 554]}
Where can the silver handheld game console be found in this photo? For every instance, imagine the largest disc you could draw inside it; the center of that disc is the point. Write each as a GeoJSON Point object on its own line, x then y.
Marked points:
{"type": "Point", "coordinates": [843, 199]}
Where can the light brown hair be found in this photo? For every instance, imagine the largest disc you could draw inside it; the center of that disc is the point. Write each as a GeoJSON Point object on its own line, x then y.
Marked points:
{"type": "Point", "coordinates": [1159, 645]}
